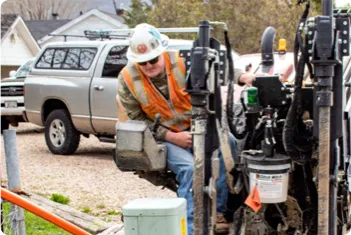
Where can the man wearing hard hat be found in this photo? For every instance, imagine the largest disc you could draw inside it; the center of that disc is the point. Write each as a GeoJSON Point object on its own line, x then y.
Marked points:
{"type": "Point", "coordinates": [153, 82]}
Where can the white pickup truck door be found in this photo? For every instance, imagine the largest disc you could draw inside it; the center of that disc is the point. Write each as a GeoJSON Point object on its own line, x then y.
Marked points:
{"type": "Point", "coordinates": [104, 88]}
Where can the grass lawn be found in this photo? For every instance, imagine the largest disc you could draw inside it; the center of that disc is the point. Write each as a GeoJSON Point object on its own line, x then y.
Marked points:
{"type": "Point", "coordinates": [35, 225]}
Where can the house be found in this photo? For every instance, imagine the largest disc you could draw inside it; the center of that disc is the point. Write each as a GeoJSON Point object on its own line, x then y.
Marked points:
{"type": "Point", "coordinates": [22, 39]}
{"type": "Point", "coordinates": [17, 43]}
{"type": "Point", "coordinates": [91, 20]}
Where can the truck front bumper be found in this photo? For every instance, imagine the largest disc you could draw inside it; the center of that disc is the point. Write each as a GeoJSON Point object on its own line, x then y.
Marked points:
{"type": "Point", "coordinates": [16, 107]}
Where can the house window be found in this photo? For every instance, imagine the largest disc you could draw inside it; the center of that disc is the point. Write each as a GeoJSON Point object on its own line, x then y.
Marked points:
{"type": "Point", "coordinates": [115, 61]}
{"type": "Point", "coordinates": [67, 58]}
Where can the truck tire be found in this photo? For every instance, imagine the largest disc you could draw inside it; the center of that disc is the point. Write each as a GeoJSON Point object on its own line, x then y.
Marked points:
{"type": "Point", "coordinates": [60, 134]}
{"type": "Point", "coordinates": [5, 124]}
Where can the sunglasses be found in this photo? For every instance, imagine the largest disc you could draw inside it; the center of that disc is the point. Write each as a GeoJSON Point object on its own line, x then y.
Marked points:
{"type": "Point", "coordinates": [153, 61]}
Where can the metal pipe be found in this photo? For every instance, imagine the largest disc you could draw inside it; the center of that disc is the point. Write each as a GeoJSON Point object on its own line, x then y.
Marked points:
{"type": "Point", "coordinates": [323, 171]}
{"type": "Point", "coordinates": [327, 7]}
{"type": "Point", "coordinates": [13, 176]}
{"type": "Point", "coordinates": [204, 34]}
{"type": "Point", "coordinates": [335, 153]}
{"type": "Point", "coordinates": [213, 192]}
{"type": "Point", "coordinates": [198, 132]}
{"type": "Point", "coordinates": [199, 94]}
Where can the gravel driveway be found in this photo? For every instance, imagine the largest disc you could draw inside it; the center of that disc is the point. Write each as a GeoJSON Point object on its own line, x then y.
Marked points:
{"type": "Point", "coordinates": [90, 178]}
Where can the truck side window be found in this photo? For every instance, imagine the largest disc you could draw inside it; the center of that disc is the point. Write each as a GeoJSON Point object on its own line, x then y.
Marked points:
{"type": "Point", "coordinates": [72, 59]}
{"type": "Point", "coordinates": [67, 58]}
{"type": "Point", "coordinates": [115, 61]}
{"type": "Point", "coordinates": [46, 59]}
{"type": "Point", "coordinates": [59, 57]}
{"type": "Point", "coordinates": [86, 57]}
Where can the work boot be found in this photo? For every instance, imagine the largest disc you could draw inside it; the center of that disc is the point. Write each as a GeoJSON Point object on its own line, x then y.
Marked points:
{"type": "Point", "coordinates": [222, 225]}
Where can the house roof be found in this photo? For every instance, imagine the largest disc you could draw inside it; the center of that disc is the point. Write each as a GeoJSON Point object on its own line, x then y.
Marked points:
{"type": "Point", "coordinates": [114, 21]}
{"type": "Point", "coordinates": [113, 15]}
{"type": "Point", "coordinates": [6, 22]}
{"type": "Point", "coordinates": [41, 28]}
{"type": "Point", "coordinates": [16, 38]}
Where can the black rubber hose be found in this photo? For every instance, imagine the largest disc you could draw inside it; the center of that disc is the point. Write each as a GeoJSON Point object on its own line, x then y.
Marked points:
{"type": "Point", "coordinates": [267, 42]}
{"type": "Point", "coordinates": [288, 131]}
{"type": "Point", "coordinates": [296, 144]}
{"type": "Point", "coordinates": [230, 91]}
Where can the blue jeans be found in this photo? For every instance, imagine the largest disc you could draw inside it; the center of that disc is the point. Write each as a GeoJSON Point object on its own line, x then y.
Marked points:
{"type": "Point", "coordinates": [181, 162]}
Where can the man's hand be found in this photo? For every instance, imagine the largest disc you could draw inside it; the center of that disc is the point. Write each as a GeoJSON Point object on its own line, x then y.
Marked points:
{"type": "Point", "coordinates": [182, 139]}
{"type": "Point", "coordinates": [247, 79]}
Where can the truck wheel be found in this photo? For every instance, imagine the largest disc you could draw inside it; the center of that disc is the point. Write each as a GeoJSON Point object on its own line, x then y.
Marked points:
{"type": "Point", "coordinates": [60, 135]}
{"type": "Point", "coordinates": [5, 124]}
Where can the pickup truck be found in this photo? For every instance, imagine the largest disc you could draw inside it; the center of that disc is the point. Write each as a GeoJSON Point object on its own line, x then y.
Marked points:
{"type": "Point", "coordinates": [71, 90]}
{"type": "Point", "coordinates": [12, 101]}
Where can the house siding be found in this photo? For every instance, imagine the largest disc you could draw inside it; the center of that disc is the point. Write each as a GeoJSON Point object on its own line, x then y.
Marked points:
{"type": "Point", "coordinates": [5, 70]}
{"type": "Point", "coordinates": [14, 50]}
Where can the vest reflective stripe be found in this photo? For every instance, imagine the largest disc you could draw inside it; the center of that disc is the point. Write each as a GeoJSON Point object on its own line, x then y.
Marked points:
{"type": "Point", "coordinates": [176, 113]}
{"type": "Point", "coordinates": [138, 88]}
{"type": "Point", "coordinates": [178, 68]}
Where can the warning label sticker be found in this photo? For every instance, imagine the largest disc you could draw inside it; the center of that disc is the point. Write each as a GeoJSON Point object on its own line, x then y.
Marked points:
{"type": "Point", "coordinates": [270, 186]}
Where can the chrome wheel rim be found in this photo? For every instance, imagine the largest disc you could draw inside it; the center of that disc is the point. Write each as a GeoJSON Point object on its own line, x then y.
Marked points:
{"type": "Point", "coordinates": [57, 133]}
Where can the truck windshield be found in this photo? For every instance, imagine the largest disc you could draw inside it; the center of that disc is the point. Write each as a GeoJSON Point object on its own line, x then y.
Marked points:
{"type": "Point", "coordinates": [24, 69]}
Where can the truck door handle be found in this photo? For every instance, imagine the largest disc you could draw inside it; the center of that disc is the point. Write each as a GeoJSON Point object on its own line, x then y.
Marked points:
{"type": "Point", "coordinates": [98, 88]}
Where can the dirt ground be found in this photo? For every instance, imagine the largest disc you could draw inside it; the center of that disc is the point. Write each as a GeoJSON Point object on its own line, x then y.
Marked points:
{"type": "Point", "coordinates": [89, 178]}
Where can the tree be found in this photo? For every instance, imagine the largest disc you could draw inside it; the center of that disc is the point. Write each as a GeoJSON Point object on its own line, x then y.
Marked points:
{"type": "Point", "coordinates": [183, 13]}
{"type": "Point", "coordinates": [246, 20]}
{"type": "Point", "coordinates": [137, 14]}
{"type": "Point", "coordinates": [44, 9]}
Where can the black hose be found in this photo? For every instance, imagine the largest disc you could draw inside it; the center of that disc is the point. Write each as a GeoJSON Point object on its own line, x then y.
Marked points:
{"type": "Point", "coordinates": [290, 122]}
{"type": "Point", "coordinates": [298, 41]}
{"type": "Point", "coordinates": [230, 91]}
{"type": "Point", "coordinates": [297, 144]}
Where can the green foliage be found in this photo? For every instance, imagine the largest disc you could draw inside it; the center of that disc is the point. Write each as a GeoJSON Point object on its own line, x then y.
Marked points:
{"type": "Point", "coordinates": [137, 14]}
{"type": "Point", "coordinates": [86, 209]}
{"type": "Point", "coordinates": [246, 20]}
{"type": "Point", "coordinates": [36, 225]}
{"type": "Point", "coordinates": [113, 212]}
{"type": "Point", "coordinates": [183, 13]}
{"type": "Point", "coordinates": [59, 199]}
{"type": "Point", "coordinates": [100, 206]}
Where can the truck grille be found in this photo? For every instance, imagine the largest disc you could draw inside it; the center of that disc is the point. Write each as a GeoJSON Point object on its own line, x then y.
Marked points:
{"type": "Point", "coordinates": [12, 91]}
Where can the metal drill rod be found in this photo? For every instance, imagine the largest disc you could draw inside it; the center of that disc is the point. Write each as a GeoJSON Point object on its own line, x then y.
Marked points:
{"type": "Point", "coordinates": [198, 128]}
{"type": "Point", "coordinates": [324, 67]}
{"type": "Point", "coordinates": [323, 171]}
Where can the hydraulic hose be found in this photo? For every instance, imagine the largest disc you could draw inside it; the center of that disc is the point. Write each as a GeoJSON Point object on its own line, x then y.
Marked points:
{"type": "Point", "coordinates": [230, 94]}
{"type": "Point", "coordinates": [296, 144]}
{"type": "Point", "coordinates": [291, 119]}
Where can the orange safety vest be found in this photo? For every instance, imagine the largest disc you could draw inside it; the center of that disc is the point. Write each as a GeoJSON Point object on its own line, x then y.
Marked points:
{"type": "Point", "coordinates": [176, 112]}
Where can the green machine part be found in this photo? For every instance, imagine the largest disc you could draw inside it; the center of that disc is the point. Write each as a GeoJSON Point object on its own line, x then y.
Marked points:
{"type": "Point", "coordinates": [155, 216]}
{"type": "Point", "coordinates": [252, 96]}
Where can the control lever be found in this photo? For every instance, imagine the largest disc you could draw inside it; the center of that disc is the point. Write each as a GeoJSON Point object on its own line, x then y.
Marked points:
{"type": "Point", "coordinates": [155, 125]}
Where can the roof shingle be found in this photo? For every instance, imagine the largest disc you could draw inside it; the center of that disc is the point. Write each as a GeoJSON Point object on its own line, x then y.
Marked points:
{"type": "Point", "coordinates": [41, 28]}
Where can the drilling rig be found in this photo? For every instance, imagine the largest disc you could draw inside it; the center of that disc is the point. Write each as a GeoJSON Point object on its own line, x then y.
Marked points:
{"type": "Point", "coordinates": [291, 171]}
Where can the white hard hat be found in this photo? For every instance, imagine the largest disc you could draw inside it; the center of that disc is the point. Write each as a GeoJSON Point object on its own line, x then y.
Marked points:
{"type": "Point", "coordinates": [146, 43]}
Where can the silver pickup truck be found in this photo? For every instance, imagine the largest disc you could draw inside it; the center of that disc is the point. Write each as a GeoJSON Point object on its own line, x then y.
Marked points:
{"type": "Point", "coordinates": [12, 101]}
{"type": "Point", "coordinates": [71, 90]}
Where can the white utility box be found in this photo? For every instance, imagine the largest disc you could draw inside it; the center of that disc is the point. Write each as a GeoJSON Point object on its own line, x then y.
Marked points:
{"type": "Point", "coordinates": [155, 216]}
